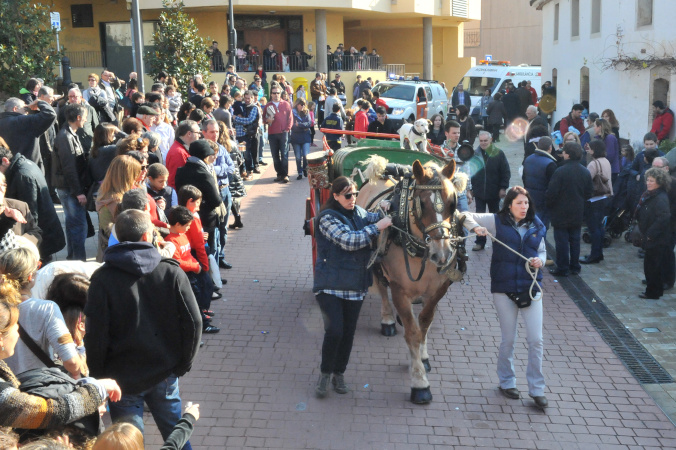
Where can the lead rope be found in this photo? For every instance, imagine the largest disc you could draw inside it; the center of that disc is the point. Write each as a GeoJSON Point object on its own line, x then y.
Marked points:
{"type": "Point", "coordinates": [533, 272]}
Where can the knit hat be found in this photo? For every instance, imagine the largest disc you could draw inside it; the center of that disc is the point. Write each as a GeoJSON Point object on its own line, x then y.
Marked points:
{"type": "Point", "coordinates": [201, 149]}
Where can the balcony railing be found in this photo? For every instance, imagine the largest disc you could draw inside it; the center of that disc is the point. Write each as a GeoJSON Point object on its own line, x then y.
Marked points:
{"type": "Point", "coordinates": [302, 63]}
{"type": "Point", "coordinates": [85, 59]}
{"type": "Point", "coordinates": [472, 38]}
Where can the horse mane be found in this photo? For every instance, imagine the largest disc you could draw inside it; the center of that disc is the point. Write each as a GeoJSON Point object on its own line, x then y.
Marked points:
{"type": "Point", "coordinates": [459, 181]}
{"type": "Point", "coordinates": [375, 169]}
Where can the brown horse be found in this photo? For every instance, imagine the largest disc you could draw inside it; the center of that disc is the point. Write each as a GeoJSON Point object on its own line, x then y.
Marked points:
{"type": "Point", "coordinates": [429, 200]}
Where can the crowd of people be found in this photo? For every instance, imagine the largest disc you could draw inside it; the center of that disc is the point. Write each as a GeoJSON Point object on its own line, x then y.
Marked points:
{"type": "Point", "coordinates": [165, 175]}
{"type": "Point", "coordinates": [248, 59]}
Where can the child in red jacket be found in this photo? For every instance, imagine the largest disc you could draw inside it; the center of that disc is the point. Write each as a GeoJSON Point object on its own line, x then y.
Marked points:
{"type": "Point", "coordinates": [180, 221]}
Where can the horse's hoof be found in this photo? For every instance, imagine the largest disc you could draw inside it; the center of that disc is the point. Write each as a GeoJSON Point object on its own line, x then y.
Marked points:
{"type": "Point", "coordinates": [399, 321]}
{"type": "Point", "coordinates": [388, 329]}
{"type": "Point", "coordinates": [426, 365]}
{"type": "Point", "coordinates": [421, 396]}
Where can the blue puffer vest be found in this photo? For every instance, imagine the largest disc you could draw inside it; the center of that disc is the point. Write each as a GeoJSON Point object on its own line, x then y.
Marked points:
{"type": "Point", "coordinates": [338, 269]}
{"type": "Point", "coordinates": [535, 181]}
{"type": "Point", "coordinates": [508, 271]}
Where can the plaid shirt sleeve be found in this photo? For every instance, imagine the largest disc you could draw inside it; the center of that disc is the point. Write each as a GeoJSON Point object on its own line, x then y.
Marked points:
{"type": "Point", "coordinates": [345, 238]}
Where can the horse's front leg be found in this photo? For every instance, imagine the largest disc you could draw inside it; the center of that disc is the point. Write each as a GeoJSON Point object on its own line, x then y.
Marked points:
{"type": "Point", "coordinates": [425, 320]}
{"type": "Point", "coordinates": [420, 386]}
{"type": "Point", "coordinates": [387, 325]}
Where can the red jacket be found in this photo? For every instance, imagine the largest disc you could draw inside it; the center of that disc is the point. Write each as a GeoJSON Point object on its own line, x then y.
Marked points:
{"type": "Point", "coordinates": [154, 218]}
{"type": "Point", "coordinates": [568, 121]}
{"type": "Point", "coordinates": [662, 124]}
{"type": "Point", "coordinates": [361, 122]}
{"type": "Point", "coordinates": [196, 239]}
{"type": "Point", "coordinates": [534, 95]}
{"type": "Point", "coordinates": [176, 157]}
{"type": "Point", "coordinates": [182, 254]}
{"type": "Point", "coordinates": [381, 102]}
{"type": "Point", "coordinates": [283, 117]}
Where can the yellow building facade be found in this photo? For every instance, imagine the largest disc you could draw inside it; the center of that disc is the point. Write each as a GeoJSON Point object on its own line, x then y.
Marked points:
{"type": "Point", "coordinates": [416, 37]}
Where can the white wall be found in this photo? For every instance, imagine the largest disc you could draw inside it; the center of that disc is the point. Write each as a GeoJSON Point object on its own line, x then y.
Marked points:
{"type": "Point", "coordinates": [627, 93]}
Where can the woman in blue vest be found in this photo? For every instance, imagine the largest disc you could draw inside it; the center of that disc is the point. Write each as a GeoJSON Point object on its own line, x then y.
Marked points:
{"type": "Point", "coordinates": [344, 238]}
{"type": "Point", "coordinates": [518, 227]}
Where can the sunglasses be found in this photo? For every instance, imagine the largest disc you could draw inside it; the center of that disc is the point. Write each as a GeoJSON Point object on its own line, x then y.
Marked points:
{"type": "Point", "coordinates": [350, 194]}
{"type": "Point", "coordinates": [274, 93]}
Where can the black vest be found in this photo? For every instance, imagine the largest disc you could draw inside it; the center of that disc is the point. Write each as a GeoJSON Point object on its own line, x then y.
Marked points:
{"type": "Point", "coordinates": [338, 269]}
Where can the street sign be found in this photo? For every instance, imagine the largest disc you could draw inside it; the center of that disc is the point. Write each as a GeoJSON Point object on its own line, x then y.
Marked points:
{"type": "Point", "coordinates": [55, 18]}
{"type": "Point", "coordinates": [489, 57]}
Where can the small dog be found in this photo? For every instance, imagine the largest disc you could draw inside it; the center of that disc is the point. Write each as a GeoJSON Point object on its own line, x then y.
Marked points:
{"type": "Point", "coordinates": [415, 133]}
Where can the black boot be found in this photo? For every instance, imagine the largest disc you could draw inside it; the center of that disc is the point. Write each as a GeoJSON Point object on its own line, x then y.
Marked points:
{"type": "Point", "coordinates": [237, 223]}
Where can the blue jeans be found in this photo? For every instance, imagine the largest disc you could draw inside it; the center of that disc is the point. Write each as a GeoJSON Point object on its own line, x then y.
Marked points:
{"type": "Point", "coordinates": [164, 402]}
{"type": "Point", "coordinates": [261, 145]}
{"type": "Point", "coordinates": [543, 215]}
{"type": "Point", "coordinates": [567, 240]}
{"type": "Point", "coordinates": [76, 225]}
{"type": "Point", "coordinates": [279, 149]}
{"type": "Point", "coordinates": [462, 205]}
{"type": "Point", "coordinates": [222, 228]}
{"type": "Point", "coordinates": [301, 151]}
{"type": "Point", "coordinates": [594, 214]}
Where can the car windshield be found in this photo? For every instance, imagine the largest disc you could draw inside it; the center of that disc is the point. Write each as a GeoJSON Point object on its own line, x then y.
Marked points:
{"type": "Point", "coordinates": [396, 91]}
{"type": "Point", "coordinates": [477, 85]}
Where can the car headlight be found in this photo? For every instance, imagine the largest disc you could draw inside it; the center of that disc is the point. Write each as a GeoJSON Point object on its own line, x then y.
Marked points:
{"type": "Point", "coordinates": [397, 111]}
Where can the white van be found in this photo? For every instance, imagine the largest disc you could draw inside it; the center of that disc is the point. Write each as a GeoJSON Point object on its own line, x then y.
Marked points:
{"type": "Point", "coordinates": [495, 77]}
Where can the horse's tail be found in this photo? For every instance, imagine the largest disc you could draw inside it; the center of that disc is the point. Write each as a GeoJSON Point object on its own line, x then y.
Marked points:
{"type": "Point", "coordinates": [375, 168]}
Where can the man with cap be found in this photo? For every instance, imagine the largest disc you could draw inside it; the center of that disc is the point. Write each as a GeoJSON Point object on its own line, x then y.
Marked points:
{"type": "Point", "coordinates": [148, 116]}
{"type": "Point", "coordinates": [198, 172]}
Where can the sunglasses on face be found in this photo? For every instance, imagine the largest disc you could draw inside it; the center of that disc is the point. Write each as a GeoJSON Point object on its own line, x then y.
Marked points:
{"type": "Point", "coordinates": [350, 194]}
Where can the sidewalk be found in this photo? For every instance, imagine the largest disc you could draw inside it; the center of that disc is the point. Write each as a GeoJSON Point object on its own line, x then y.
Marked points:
{"type": "Point", "coordinates": [255, 379]}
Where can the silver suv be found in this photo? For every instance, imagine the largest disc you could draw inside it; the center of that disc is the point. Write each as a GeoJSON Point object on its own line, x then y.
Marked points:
{"type": "Point", "coordinates": [406, 98]}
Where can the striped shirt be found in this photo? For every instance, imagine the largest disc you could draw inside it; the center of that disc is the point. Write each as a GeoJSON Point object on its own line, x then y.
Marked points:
{"type": "Point", "coordinates": [350, 240]}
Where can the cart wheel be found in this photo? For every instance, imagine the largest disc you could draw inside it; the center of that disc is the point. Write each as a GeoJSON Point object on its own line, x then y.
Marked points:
{"type": "Point", "coordinates": [607, 240]}
{"type": "Point", "coordinates": [627, 236]}
{"type": "Point", "coordinates": [586, 238]}
{"type": "Point", "coordinates": [615, 234]}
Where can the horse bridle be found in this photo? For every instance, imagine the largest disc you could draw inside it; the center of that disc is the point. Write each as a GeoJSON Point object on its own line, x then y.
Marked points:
{"type": "Point", "coordinates": [411, 244]}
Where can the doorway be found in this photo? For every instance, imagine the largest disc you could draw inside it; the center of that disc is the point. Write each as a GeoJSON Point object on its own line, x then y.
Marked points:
{"type": "Point", "coordinates": [116, 46]}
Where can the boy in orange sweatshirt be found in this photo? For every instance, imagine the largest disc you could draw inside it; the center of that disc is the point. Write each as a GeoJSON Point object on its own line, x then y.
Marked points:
{"type": "Point", "coordinates": [180, 221]}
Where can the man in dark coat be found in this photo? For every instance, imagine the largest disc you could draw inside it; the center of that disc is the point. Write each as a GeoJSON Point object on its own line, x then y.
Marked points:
{"type": "Point", "coordinates": [525, 98]}
{"type": "Point", "coordinates": [143, 325]}
{"type": "Point", "coordinates": [490, 178]}
{"type": "Point", "coordinates": [569, 189]}
{"type": "Point", "coordinates": [22, 131]}
{"type": "Point", "coordinates": [460, 97]}
{"type": "Point", "coordinates": [25, 182]}
{"type": "Point", "coordinates": [538, 169]}
{"type": "Point", "coordinates": [86, 132]}
{"type": "Point", "coordinates": [512, 105]}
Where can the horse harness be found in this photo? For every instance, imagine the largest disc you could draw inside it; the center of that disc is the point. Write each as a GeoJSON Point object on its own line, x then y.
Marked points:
{"type": "Point", "coordinates": [404, 203]}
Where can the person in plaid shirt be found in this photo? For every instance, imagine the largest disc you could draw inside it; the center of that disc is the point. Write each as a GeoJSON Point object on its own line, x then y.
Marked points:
{"type": "Point", "coordinates": [342, 279]}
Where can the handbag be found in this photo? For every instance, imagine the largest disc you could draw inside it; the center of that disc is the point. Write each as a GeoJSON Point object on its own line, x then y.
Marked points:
{"type": "Point", "coordinates": [636, 236]}
{"type": "Point", "coordinates": [214, 272]}
{"type": "Point", "coordinates": [521, 299]}
{"type": "Point", "coordinates": [600, 182]}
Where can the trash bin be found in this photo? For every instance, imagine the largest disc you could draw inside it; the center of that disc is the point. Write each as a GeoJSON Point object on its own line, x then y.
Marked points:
{"type": "Point", "coordinates": [297, 82]}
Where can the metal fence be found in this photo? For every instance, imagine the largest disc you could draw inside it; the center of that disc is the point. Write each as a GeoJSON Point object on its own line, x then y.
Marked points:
{"type": "Point", "coordinates": [302, 63]}
{"type": "Point", "coordinates": [395, 70]}
{"type": "Point", "coordinates": [85, 59]}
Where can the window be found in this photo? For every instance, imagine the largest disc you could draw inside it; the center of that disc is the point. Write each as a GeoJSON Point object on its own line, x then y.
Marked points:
{"type": "Point", "coordinates": [82, 16]}
{"type": "Point", "coordinates": [584, 84]}
{"type": "Point", "coordinates": [556, 22]}
{"type": "Point", "coordinates": [575, 18]}
{"type": "Point", "coordinates": [644, 13]}
{"type": "Point", "coordinates": [596, 16]}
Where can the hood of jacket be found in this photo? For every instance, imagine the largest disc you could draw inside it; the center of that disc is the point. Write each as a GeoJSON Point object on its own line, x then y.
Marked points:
{"type": "Point", "coordinates": [137, 258]}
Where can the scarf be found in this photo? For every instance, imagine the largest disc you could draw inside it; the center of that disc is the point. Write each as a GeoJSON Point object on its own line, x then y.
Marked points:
{"type": "Point", "coordinates": [647, 195]}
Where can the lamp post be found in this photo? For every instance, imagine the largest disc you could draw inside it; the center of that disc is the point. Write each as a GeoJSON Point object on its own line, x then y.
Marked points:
{"type": "Point", "coordinates": [232, 35]}
{"type": "Point", "coordinates": [137, 41]}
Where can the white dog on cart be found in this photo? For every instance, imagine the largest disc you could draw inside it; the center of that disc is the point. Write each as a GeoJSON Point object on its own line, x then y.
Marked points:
{"type": "Point", "coordinates": [415, 133]}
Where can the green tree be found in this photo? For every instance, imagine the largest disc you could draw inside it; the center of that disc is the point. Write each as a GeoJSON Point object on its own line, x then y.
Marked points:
{"type": "Point", "coordinates": [179, 49]}
{"type": "Point", "coordinates": [27, 44]}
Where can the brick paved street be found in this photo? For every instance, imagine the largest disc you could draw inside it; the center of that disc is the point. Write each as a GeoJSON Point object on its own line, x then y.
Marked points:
{"type": "Point", "coordinates": [255, 380]}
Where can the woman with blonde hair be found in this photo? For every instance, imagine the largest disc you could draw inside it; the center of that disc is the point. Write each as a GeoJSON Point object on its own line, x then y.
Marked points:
{"type": "Point", "coordinates": [27, 411]}
{"type": "Point", "coordinates": [124, 173]}
{"type": "Point", "coordinates": [41, 320]}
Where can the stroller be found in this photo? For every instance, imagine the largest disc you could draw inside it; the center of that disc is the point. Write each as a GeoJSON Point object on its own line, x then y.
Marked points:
{"type": "Point", "coordinates": [615, 223]}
